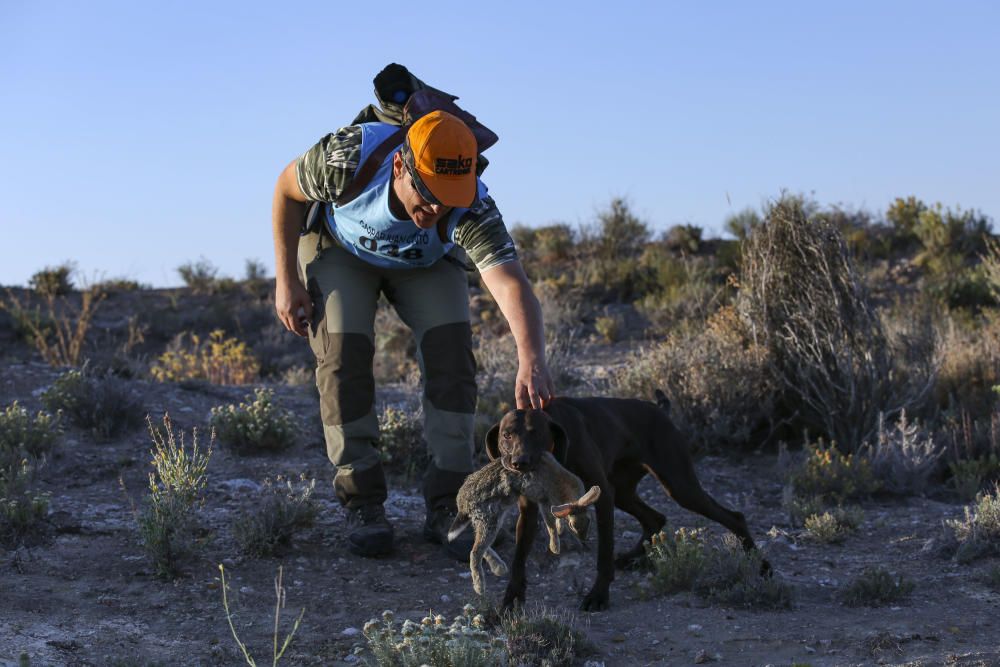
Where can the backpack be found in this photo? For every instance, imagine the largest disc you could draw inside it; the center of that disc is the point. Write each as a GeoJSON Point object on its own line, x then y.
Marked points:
{"type": "Point", "coordinates": [404, 99]}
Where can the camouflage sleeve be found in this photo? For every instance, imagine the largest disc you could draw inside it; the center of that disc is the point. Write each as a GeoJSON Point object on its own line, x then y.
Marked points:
{"type": "Point", "coordinates": [484, 236]}
{"type": "Point", "coordinates": [325, 169]}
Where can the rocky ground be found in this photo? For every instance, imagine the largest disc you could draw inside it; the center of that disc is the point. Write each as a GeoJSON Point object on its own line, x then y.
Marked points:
{"type": "Point", "coordinates": [86, 595]}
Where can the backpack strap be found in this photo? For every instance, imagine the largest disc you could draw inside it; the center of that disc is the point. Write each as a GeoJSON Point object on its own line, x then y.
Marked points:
{"type": "Point", "coordinates": [366, 171]}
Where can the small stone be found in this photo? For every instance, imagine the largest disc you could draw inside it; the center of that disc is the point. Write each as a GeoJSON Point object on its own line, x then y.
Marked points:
{"type": "Point", "coordinates": [445, 598]}
{"type": "Point", "coordinates": [350, 632]}
{"type": "Point", "coordinates": [694, 627]}
{"type": "Point", "coordinates": [810, 649]}
{"type": "Point", "coordinates": [701, 657]}
{"type": "Point", "coordinates": [351, 659]}
{"type": "Point", "coordinates": [619, 638]}
{"type": "Point", "coordinates": [246, 590]}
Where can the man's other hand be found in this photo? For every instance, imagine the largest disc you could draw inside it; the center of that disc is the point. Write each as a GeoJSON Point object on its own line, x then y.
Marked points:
{"type": "Point", "coordinates": [294, 307]}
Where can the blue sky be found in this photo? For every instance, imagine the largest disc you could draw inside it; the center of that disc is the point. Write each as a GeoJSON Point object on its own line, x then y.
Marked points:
{"type": "Point", "coordinates": [138, 136]}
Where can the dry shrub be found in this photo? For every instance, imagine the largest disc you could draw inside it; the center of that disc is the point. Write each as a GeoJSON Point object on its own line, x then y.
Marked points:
{"type": "Point", "coordinates": [970, 364]}
{"type": "Point", "coordinates": [218, 360]}
{"type": "Point", "coordinates": [830, 476]}
{"type": "Point", "coordinates": [103, 403]}
{"type": "Point", "coordinates": [718, 379]}
{"type": "Point", "coordinates": [281, 509]}
{"type": "Point", "coordinates": [395, 348]}
{"type": "Point", "coordinates": [402, 448]}
{"type": "Point", "coordinates": [876, 587]}
{"type": "Point", "coordinates": [808, 307]}
{"type": "Point", "coordinates": [496, 361]}
{"type": "Point", "coordinates": [904, 456]}
{"type": "Point", "coordinates": [991, 266]}
{"type": "Point", "coordinates": [60, 333]}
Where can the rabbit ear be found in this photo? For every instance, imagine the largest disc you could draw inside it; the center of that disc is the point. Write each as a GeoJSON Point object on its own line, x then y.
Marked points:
{"type": "Point", "coordinates": [492, 446]}
{"type": "Point", "coordinates": [589, 498]}
{"type": "Point", "coordinates": [560, 443]}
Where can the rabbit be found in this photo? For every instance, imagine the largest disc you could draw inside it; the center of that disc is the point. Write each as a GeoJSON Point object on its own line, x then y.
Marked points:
{"type": "Point", "coordinates": [492, 491]}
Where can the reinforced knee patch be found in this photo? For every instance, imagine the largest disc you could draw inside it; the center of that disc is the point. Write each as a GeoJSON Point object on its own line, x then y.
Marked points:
{"type": "Point", "coordinates": [449, 367]}
{"type": "Point", "coordinates": [344, 378]}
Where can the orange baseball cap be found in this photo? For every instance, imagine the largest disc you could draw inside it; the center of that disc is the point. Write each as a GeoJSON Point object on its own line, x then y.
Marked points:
{"type": "Point", "coordinates": [440, 154]}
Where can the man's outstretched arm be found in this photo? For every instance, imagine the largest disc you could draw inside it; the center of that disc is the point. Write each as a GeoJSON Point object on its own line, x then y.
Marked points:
{"type": "Point", "coordinates": [288, 210]}
{"type": "Point", "coordinates": [510, 287]}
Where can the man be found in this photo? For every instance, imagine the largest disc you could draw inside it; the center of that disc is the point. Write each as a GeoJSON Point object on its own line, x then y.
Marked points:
{"type": "Point", "coordinates": [394, 238]}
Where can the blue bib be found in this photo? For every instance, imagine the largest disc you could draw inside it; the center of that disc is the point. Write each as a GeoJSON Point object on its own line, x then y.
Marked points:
{"type": "Point", "coordinates": [367, 228]}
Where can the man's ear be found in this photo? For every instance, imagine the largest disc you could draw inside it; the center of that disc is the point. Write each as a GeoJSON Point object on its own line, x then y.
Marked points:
{"type": "Point", "coordinates": [560, 444]}
{"type": "Point", "coordinates": [492, 446]}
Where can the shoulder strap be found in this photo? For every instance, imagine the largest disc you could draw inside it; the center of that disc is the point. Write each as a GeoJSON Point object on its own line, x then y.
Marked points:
{"type": "Point", "coordinates": [366, 171]}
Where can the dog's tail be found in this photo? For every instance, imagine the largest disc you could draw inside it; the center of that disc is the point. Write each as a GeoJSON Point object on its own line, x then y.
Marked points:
{"type": "Point", "coordinates": [662, 401]}
{"type": "Point", "coordinates": [589, 498]}
{"type": "Point", "coordinates": [460, 523]}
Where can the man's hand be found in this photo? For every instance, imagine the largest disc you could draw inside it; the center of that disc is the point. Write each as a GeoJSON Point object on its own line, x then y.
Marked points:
{"type": "Point", "coordinates": [289, 298]}
{"type": "Point", "coordinates": [533, 387]}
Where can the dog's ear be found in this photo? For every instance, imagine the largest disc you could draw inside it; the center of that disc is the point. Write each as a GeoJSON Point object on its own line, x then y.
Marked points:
{"type": "Point", "coordinates": [492, 446]}
{"type": "Point", "coordinates": [560, 443]}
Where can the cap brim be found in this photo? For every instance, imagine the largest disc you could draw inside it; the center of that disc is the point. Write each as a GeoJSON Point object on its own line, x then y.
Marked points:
{"type": "Point", "coordinates": [452, 192]}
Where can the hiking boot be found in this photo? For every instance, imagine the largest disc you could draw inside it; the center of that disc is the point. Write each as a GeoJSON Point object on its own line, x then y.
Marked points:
{"type": "Point", "coordinates": [436, 528]}
{"type": "Point", "coordinates": [369, 533]}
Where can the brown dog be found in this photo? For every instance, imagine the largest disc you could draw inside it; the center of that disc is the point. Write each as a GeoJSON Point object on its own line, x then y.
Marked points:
{"type": "Point", "coordinates": [611, 443]}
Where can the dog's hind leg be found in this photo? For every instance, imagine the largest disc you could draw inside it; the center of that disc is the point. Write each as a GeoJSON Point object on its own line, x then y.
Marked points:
{"type": "Point", "coordinates": [625, 480]}
{"type": "Point", "coordinates": [676, 473]}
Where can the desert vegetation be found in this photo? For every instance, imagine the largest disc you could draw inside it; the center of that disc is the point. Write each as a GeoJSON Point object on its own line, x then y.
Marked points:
{"type": "Point", "coordinates": [836, 371]}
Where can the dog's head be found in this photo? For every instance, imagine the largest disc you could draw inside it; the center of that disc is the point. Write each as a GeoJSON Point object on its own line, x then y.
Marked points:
{"type": "Point", "coordinates": [522, 436]}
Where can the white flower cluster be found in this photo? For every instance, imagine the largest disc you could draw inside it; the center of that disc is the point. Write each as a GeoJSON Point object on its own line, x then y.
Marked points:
{"type": "Point", "coordinates": [466, 640]}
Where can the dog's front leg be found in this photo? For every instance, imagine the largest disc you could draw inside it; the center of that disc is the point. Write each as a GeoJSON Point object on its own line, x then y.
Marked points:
{"type": "Point", "coordinates": [527, 525]}
{"type": "Point", "coordinates": [598, 597]}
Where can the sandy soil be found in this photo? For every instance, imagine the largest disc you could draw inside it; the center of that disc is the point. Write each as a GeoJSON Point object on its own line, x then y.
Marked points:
{"type": "Point", "coordinates": [87, 596]}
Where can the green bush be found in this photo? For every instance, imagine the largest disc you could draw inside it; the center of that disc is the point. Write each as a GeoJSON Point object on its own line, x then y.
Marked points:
{"type": "Point", "coordinates": [281, 509]}
{"type": "Point", "coordinates": [168, 520]}
{"type": "Point", "coordinates": [255, 424]}
{"type": "Point", "coordinates": [876, 587]}
{"type": "Point", "coordinates": [619, 232]}
{"type": "Point", "coordinates": [53, 280]}
{"type": "Point", "coordinates": [969, 476]}
{"type": "Point", "coordinates": [25, 442]}
{"type": "Point", "coordinates": [832, 477]}
{"type": "Point", "coordinates": [104, 404]}
{"type": "Point", "coordinates": [978, 533]}
{"type": "Point", "coordinates": [23, 435]}
{"type": "Point", "coordinates": [723, 573]}
{"type": "Point", "coordinates": [827, 528]}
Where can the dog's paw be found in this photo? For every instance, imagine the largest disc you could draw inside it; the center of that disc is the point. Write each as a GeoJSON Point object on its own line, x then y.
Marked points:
{"type": "Point", "coordinates": [512, 599]}
{"type": "Point", "coordinates": [596, 600]}
{"type": "Point", "coordinates": [766, 570]}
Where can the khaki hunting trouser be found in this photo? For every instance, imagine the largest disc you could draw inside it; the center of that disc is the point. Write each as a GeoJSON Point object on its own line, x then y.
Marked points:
{"type": "Point", "coordinates": [434, 303]}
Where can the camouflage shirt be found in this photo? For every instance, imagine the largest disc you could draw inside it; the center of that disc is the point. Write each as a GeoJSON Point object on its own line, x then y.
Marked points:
{"type": "Point", "coordinates": [326, 169]}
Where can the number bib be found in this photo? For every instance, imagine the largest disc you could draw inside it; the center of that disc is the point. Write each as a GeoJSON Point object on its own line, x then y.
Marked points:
{"type": "Point", "coordinates": [366, 227]}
